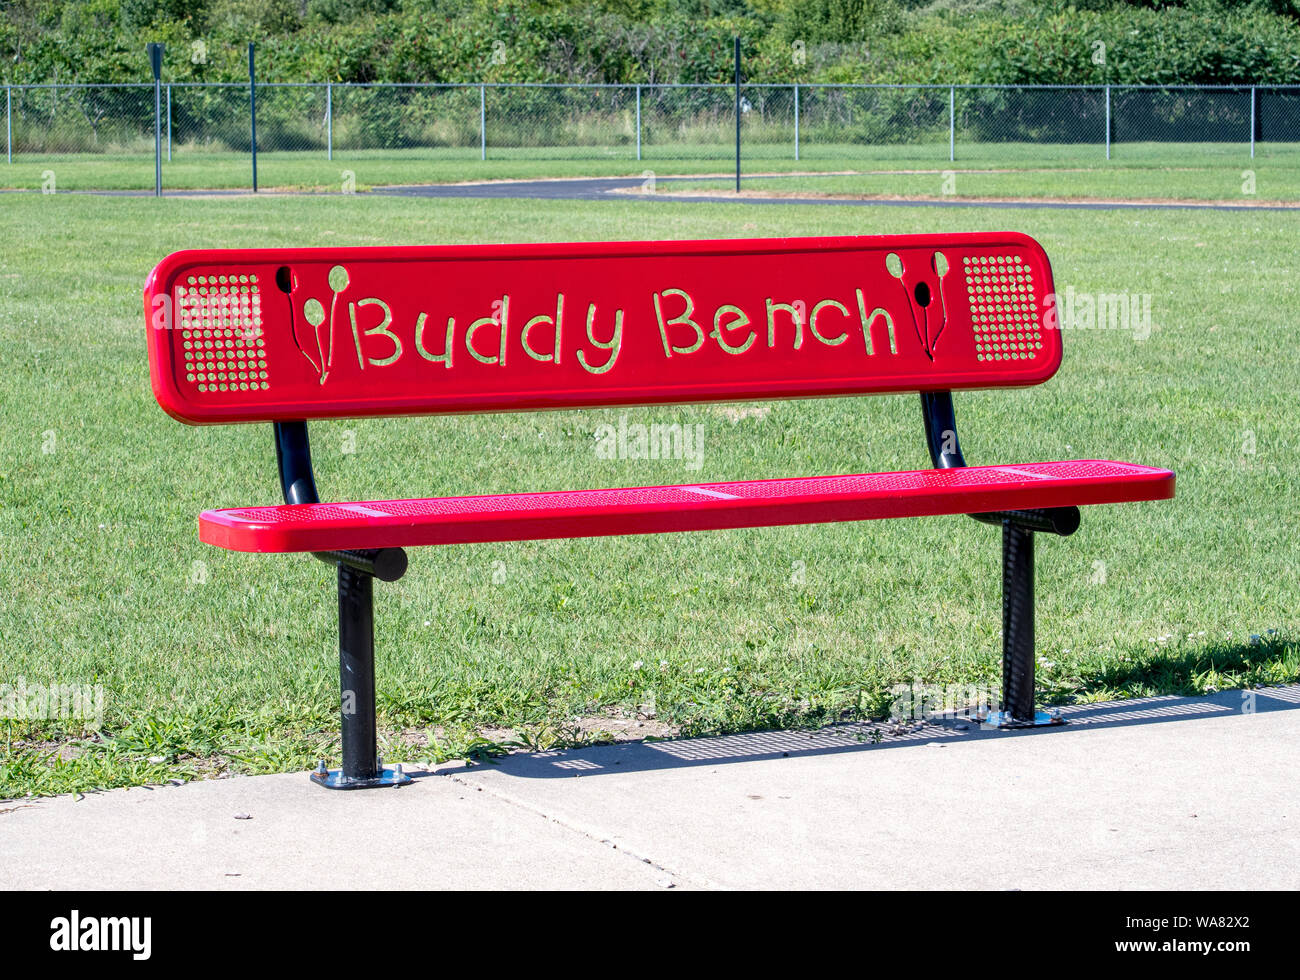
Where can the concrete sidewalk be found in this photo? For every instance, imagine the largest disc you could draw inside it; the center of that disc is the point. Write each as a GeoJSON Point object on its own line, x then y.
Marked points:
{"type": "Point", "coordinates": [1169, 793]}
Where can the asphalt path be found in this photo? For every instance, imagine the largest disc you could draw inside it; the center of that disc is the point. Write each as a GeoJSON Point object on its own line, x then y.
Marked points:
{"type": "Point", "coordinates": [615, 188]}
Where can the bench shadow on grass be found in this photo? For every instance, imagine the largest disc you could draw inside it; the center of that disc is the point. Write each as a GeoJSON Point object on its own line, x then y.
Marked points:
{"type": "Point", "coordinates": [871, 736]}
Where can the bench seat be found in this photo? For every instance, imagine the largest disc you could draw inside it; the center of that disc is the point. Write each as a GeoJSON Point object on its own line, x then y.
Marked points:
{"type": "Point", "coordinates": [706, 506]}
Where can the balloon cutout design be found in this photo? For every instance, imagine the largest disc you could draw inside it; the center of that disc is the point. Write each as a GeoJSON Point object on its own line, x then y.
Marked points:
{"type": "Point", "coordinates": [920, 297]}
{"type": "Point", "coordinates": [941, 269]}
{"type": "Point", "coordinates": [338, 282]}
{"type": "Point", "coordinates": [314, 313]}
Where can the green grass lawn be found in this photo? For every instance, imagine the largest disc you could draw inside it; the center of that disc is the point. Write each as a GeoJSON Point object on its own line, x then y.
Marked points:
{"type": "Point", "coordinates": [1136, 170]}
{"type": "Point", "coordinates": [215, 661]}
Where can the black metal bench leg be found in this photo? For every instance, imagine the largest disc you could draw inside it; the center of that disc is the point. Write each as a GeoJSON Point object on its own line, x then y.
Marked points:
{"type": "Point", "coordinates": [362, 768]}
{"type": "Point", "coordinates": [1018, 633]}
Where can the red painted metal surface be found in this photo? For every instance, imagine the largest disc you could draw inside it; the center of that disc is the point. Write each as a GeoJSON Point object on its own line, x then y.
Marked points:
{"type": "Point", "coordinates": [644, 510]}
{"type": "Point", "coordinates": [277, 335]}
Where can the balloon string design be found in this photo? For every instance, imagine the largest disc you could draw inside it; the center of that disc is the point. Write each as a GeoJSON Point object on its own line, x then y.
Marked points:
{"type": "Point", "coordinates": [921, 324]}
{"type": "Point", "coordinates": [338, 282]}
{"type": "Point", "coordinates": [895, 266]}
{"type": "Point", "coordinates": [286, 283]}
{"type": "Point", "coordinates": [941, 267]}
{"type": "Point", "coordinates": [314, 313]}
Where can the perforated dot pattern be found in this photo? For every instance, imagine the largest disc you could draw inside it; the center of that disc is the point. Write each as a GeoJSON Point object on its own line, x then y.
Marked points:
{"type": "Point", "coordinates": [1003, 306]}
{"type": "Point", "coordinates": [221, 333]}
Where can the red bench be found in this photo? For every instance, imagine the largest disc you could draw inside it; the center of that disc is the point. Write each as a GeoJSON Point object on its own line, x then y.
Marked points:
{"type": "Point", "coordinates": [284, 336]}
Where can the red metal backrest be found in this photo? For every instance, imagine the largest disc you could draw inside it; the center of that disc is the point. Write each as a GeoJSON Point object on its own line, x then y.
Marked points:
{"type": "Point", "coordinates": [276, 335]}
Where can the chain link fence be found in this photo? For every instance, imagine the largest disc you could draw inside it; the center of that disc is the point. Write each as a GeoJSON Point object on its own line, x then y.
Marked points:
{"type": "Point", "coordinates": [851, 125]}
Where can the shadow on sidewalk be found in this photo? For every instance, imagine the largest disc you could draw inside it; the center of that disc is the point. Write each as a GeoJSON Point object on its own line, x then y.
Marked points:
{"type": "Point", "coordinates": [870, 736]}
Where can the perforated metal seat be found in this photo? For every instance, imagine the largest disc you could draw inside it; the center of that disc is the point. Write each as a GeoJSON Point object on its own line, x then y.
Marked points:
{"type": "Point", "coordinates": [706, 506]}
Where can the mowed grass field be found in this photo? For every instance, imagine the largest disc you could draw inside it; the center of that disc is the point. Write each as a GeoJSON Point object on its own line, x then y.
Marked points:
{"type": "Point", "coordinates": [1196, 172]}
{"type": "Point", "coordinates": [213, 661]}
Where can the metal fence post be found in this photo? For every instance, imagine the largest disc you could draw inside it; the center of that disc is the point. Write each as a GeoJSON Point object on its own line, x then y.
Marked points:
{"type": "Point", "coordinates": [737, 114]}
{"type": "Point", "coordinates": [482, 122]}
{"type": "Point", "coordinates": [1252, 122]}
{"type": "Point", "coordinates": [252, 111]}
{"type": "Point", "coordinates": [329, 120]}
{"type": "Point", "coordinates": [1107, 122]}
{"type": "Point", "coordinates": [796, 122]}
{"type": "Point", "coordinates": [157, 139]}
{"type": "Point", "coordinates": [638, 122]}
{"type": "Point", "coordinates": [9, 121]}
{"type": "Point", "coordinates": [169, 124]}
{"type": "Point", "coordinates": [952, 123]}
{"type": "Point", "coordinates": [155, 63]}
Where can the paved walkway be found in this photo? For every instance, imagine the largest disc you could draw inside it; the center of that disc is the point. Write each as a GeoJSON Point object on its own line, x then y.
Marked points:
{"type": "Point", "coordinates": [1170, 793]}
{"type": "Point", "coordinates": [618, 188]}
{"type": "Point", "coordinates": [625, 188]}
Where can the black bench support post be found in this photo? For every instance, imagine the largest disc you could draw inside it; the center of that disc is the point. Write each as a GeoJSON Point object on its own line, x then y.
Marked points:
{"type": "Point", "coordinates": [1017, 623]}
{"type": "Point", "coordinates": [1018, 527]}
{"type": "Point", "coordinates": [1018, 633]}
{"type": "Point", "coordinates": [362, 767]}
{"type": "Point", "coordinates": [357, 674]}
{"type": "Point", "coordinates": [357, 570]}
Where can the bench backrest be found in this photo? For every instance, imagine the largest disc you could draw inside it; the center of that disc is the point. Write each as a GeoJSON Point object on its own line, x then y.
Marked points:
{"type": "Point", "coordinates": [288, 334]}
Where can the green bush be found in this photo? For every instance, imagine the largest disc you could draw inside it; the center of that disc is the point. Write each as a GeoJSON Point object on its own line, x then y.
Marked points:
{"type": "Point", "coordinates": [657, 41]}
